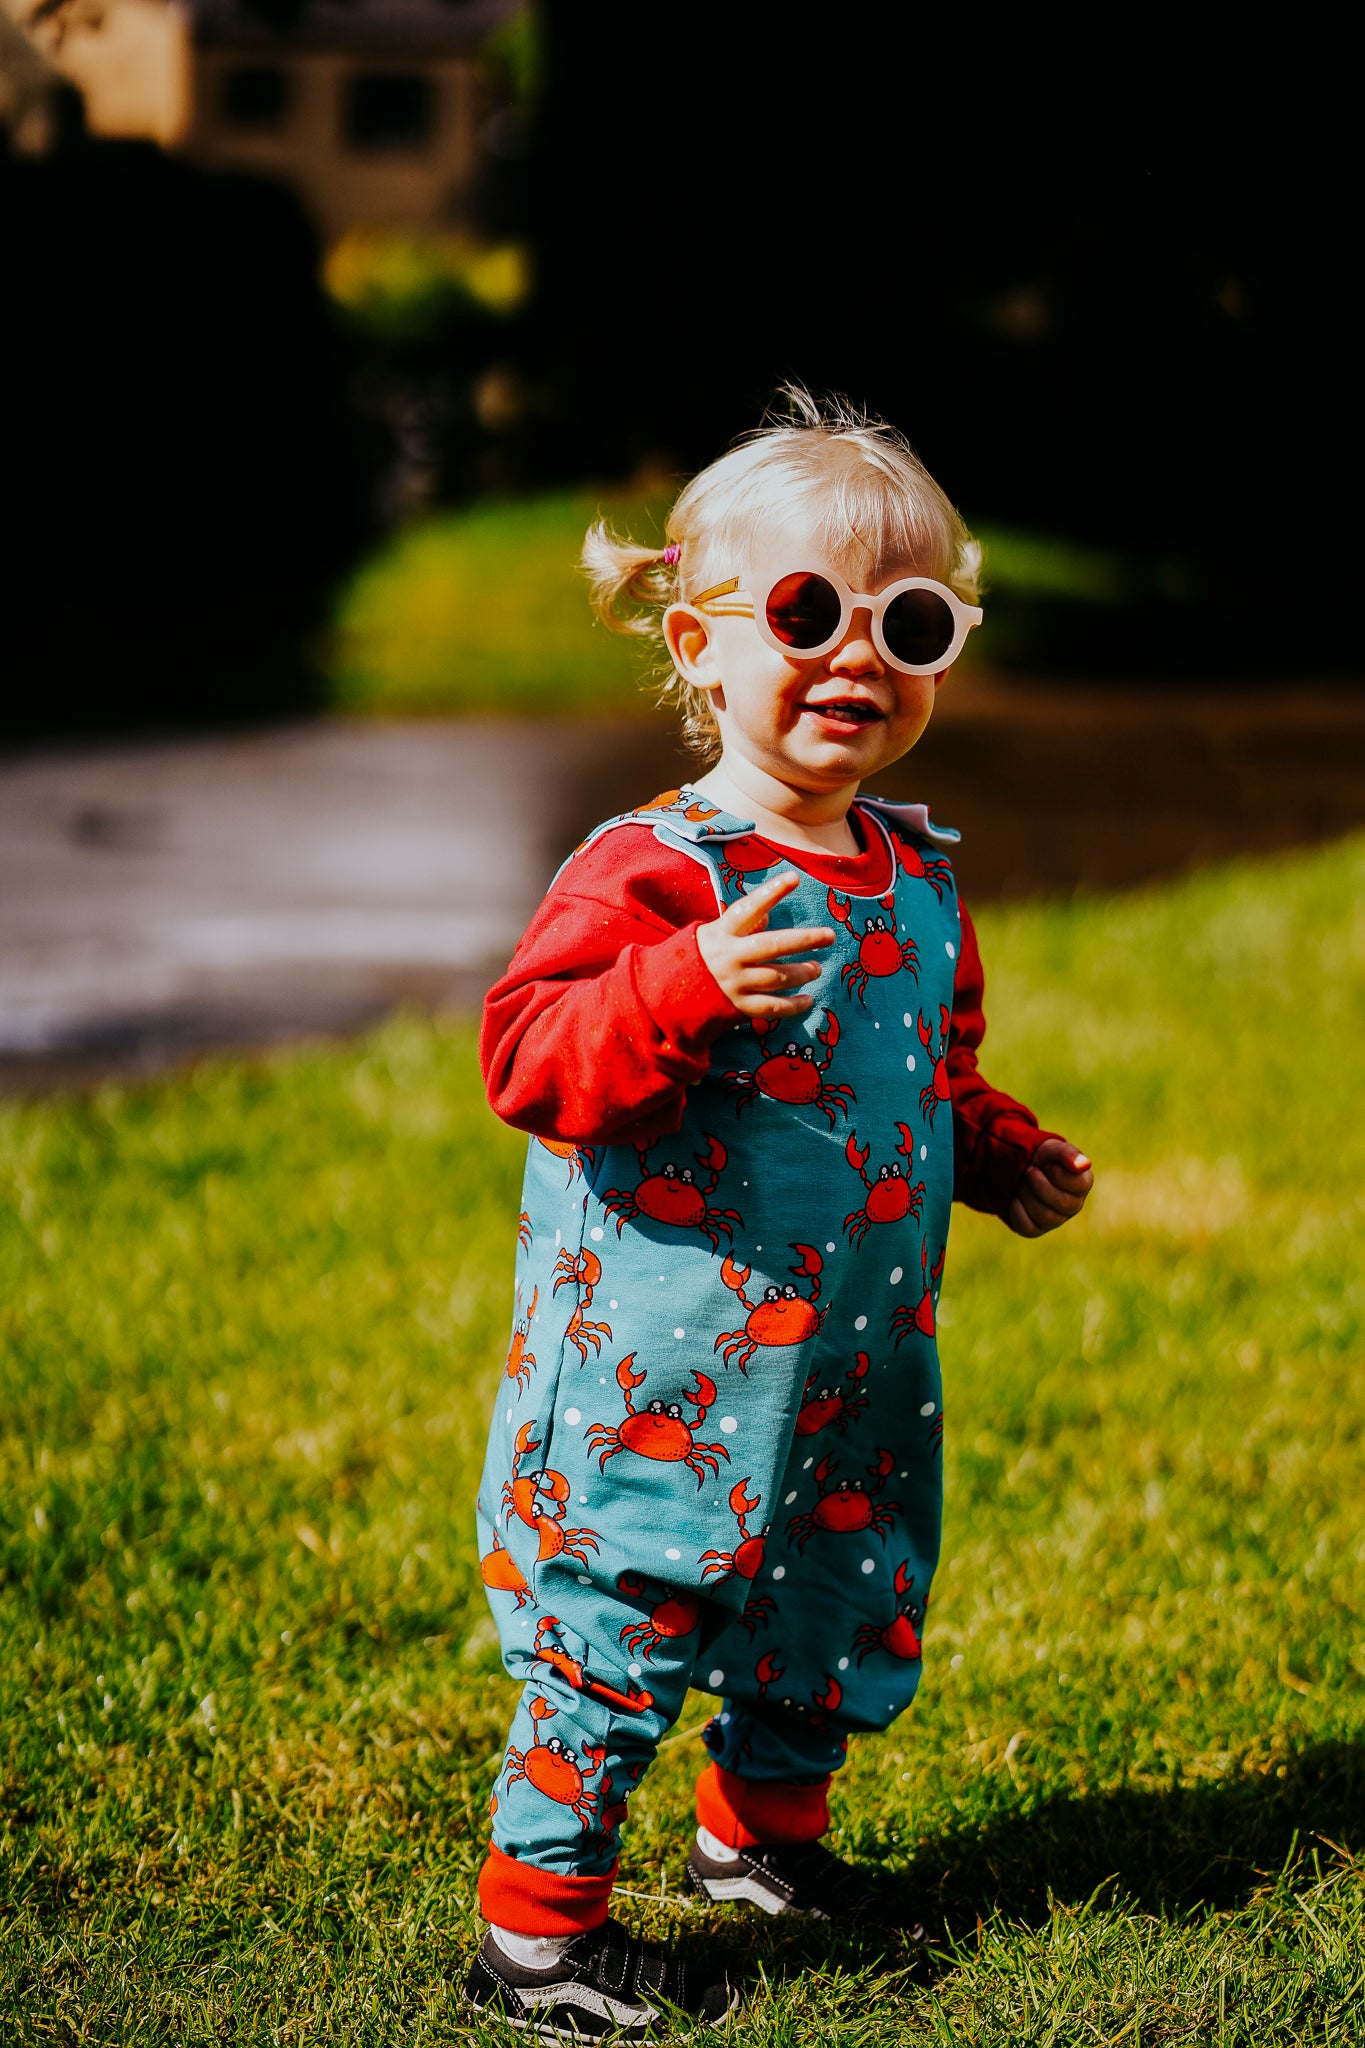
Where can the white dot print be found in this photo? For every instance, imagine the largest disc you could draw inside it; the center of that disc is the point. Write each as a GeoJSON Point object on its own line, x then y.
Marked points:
{"type": "Point", "coordinates": [596, 1233]}
{"type": "Point", "coordinates": [790, 1498]}
{"type": "Point", "coordinates": [573, 1415]}
{"type": "Point", "coordinates": [779, 1571]}
{"type": "Point", "coordinates": [680, 1332]}
{"type": "Point", "coordinates": [869, 1564]}
{"type": "Point", "coordinates": [908, 1021]}
{"type": "Point", "coordinates": [843, 1663]}
{"type": "Point", "coordinates": [583, 1579]}
{"type": "Point", "coordinates": [831, 1246]}
{"type": "Point", "coordinates": [860, 1322]}
{"type": "Point", "coordinates": [910, 1062]}
{"type": "Point", "coordinates": [633, 1670]}
{"type": "Point", "coordinates": [927, 1408]}
{"type": "Point", "coordinates": [950, 949]}
{"type": "Point", "coordinates": [673, 1555]}
{"type": "Point", "coordinates": [809, 1462]}
{"type": "Point", "coordinates": [897, 1274]}
{"type": "Point", "coordinates": [509, 1415]}
{"type": "Point", "coordinates": [728, 1425]}
{"type": "Point", "coordinates": [924, 1151]}
{"type": "Point", "coordinates": [715, 1678]}
{"type": "Point", "coordinates": [582, 1500]}
{"type": "Point", "coordinates": [613, 1304]}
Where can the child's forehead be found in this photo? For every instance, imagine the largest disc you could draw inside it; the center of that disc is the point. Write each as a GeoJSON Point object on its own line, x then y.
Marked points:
{"type": "Point", "coordinates": [800, 539]}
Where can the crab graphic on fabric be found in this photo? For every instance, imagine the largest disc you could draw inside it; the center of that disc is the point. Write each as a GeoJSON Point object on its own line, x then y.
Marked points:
{"type": "Point", "coordinates": [658, 1431]}
{"type": "Point", "coordinates": [830, 1407]}
{"type": "Point", "coordinates": [674, 1196]}
{"type": "Point", "coordinates": [900, 1637]}
{"type": "Point", "coordinates": [782, 1317]}
{"type": "Point", "coordinates": [538, 1499]}
{"type": "Point", "coordinates": [920, 1318]}
{"type": "Point", "coordinates": [768, 1671]}
{"type": "Point", "coordinates": [793, 1075]}
{"type": "Point", "coordinates": [741, 858]}
{"type": "Point", "coordinates": [584, 1270]}
{"type": "Point", "coordinates": [745, 1561]}
{"type": "Point", "coordinates": [668, 1619]}
{"type": "Point", "coordinates": [682, 800]}
{"type": "Point", "coordinates": [937, 1090]}
{"type": "Point", "coordinates": [880, 952]}
{"type": "Point", "coordinates": [848, 1509]}
{"type": "Point", "coordinates": [520, 1361]}
{"type": "Point", "coordinates": [826, 1703]}
{"type": "Point", "coordinates": [912, 863]}
{"type": "Point", "coordinates": [578, 1156]}
{"type": "Point", "coordinates": [610, 1810]}
{"type": "Point", "coordinates": [891, 1197]}
{"type": "Point", "coordinates": [549, 1649]}
{"type": "Point", "coordinates": [525, 1231]}
{"type": "Point", "coordinates": [553, 1769]}
{"type": "Point", "coordinates": [501, 1573]}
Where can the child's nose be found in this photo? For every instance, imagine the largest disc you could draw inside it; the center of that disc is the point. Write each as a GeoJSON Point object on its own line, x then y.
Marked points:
{"type": "Point", "coordinates": [856, 653]}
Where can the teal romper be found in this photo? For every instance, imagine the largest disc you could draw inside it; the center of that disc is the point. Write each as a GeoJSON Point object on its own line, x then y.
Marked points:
{"type": "Point", "coordinates": [715, 1458]}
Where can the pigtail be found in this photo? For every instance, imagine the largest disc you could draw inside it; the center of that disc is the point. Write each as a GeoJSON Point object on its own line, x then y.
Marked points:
{"type": "Point", "coordinates": [630, 587]}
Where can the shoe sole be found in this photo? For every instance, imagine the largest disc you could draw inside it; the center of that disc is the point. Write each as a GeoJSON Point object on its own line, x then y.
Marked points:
{"type": "Point", "coordinates": [746, 1890]}
{"type": "Point", "coordinates": [616, 2022]}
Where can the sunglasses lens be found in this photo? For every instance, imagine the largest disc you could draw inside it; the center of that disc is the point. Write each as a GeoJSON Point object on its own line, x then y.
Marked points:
{"type": "Point", "coordinates": [803, 610]}
{"type": "Point", "coordinates": [919, 627]}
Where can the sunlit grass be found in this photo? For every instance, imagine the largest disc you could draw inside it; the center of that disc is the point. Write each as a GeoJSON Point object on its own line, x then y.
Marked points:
{"type": "Point", "coordinates": [250, 1703]}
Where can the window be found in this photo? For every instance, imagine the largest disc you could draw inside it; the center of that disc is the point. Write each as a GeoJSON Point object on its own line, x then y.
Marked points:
{"type": "Point", "coordinates": [389, 111]}
{"type": "Point", "coordinates": [256, 96]}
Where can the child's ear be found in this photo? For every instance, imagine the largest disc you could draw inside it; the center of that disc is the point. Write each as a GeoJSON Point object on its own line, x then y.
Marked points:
{"type": "Point", "coordinates": [688, 639]}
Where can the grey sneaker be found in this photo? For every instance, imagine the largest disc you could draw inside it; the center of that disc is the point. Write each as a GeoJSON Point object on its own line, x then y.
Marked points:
{"type": "Point", "coordinates": [606, 1982]}
{"type": "Point", "coordinates": [796, 1877]}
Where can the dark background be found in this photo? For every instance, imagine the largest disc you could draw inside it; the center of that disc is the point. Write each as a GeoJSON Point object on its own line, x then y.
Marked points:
{"type": "Point", "coordinates": [1101, 277]}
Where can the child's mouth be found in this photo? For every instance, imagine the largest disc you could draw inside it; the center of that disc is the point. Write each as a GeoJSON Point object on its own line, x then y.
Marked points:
{"type": "Point", "coordinates": [850, 712]}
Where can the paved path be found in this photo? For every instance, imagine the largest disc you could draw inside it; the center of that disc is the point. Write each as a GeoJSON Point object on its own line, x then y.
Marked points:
{"type": "Point", "coordinates": [159, 899]}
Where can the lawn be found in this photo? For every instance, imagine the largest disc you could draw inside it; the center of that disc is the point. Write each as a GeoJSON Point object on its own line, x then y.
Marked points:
{"type": "Point", "coordinates": [250, 1703]}
{"type": "Point", "coordinates": [485, 610]}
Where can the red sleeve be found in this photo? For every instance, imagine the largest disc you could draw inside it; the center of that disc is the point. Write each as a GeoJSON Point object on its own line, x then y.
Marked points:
{"type": "Point", "coordinates": [607, 1012]}
{"type": "Point", "coordinates": [994, 1137]}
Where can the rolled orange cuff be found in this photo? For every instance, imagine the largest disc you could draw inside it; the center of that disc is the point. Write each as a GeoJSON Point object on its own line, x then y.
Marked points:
{"type": "Point", "coordinates": [749, 1813]}
{"type": "Point", "coordinates": [525, 1900]}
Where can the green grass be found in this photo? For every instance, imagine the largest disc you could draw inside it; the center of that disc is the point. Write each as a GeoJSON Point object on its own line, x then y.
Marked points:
{"type": "Point", "coordinates": [485, 610]}
{"type": "Point", "coordinates": [250, 1704]}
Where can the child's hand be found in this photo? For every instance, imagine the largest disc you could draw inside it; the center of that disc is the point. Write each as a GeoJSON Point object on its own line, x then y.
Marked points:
{"type": "Point", "coordinates": [745, 958]}
{"type": "Point", "coordinates": [1053, 1189]}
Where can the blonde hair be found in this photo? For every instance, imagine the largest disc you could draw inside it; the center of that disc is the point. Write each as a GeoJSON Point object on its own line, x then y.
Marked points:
{"type": "Point", "coordinates": [870, 497]}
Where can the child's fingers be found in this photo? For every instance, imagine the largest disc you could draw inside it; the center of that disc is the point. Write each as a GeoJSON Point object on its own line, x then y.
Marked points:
{"type": "Point", "coordinates": [759, 979]}
{"type": "Point", "coordinates": [1048, 1196]}
{"type": "Point", "coordinates": [772, 1006]}
{"type": "Point", "coordinates": [762, 946]}
{"type": "Point", "coordinates": [749, 913]}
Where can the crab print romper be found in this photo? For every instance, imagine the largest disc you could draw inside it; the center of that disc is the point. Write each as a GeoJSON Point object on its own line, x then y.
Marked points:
{"type": "Point", "coordinates": [715, 1458]}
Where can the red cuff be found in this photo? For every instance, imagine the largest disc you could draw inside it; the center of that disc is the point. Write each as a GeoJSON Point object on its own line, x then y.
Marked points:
{"type": "Point", "coordinates": [525, 1900]}
{"type": "Point", "coordinates": [752, 1813]}
{"type": "Point", "coordinates": [686, 1004]}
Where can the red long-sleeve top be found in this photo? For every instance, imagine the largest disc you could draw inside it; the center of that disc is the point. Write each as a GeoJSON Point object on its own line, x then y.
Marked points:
{"type": "Point", "coordinates": [607, 1013]}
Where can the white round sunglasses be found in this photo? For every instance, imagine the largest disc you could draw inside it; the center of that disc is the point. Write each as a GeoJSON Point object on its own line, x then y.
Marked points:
{"type": "Point", "coordinates": [918, 626]}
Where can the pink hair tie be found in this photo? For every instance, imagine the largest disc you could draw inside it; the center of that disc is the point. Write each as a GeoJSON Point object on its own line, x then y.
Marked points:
{"type": "Point", "coordinates": [671, 554]}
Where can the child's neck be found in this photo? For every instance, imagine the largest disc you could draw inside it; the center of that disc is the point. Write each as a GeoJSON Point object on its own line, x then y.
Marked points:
{"type": "Point", "coordinates": [815, 820]}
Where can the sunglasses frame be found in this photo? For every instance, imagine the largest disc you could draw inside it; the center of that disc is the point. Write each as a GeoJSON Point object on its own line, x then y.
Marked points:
{"type": "Point", "coordinates": [754, 605]}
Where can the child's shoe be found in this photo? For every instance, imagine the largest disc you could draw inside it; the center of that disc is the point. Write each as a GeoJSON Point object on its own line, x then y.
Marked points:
{"type": "Point", "coordinates": [603, 1982]}
{"type": "Point", "coordinates": [792, 1877]}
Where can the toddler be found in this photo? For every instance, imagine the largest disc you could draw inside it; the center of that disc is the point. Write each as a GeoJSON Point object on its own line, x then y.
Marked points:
{"type": "Point", "coordinates": [742, 1029]}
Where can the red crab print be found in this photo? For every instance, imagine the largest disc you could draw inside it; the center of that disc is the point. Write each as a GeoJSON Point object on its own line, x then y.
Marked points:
{"type": "Point", "coordinates": [578, 1156]}
{"type": "Point", "coordinates": [584, 1270]}
{"type": "Point", "coordinates": [682, 800]}
{"type": "Point", "coordinates": [669, 1619]}
{"type": "Point", "coordinates": [880, 952]}
{"type": "Point", "coordinates": [849, 1509]}
{"type": "Point", "coordinates": [674, 1196]}
{"type": "Point", "coordinates": [553, 1769]}
{"type": "Point", "coordinates": [900, 1637]}
{"type": "Point", "coordinates": [740, 858]}
{"type": "Point", "coordinates": [782, 1317]}
{"type": "Point", "coordinates": [827, 1702]}
{"type": "Point", "coordinates": [913, 863]}
{"type": "Point", "coordinates": [659, 1431]}
{"type": "Point", "coordinates": [538, 1499]}
{"type": "Point", "coordinates": [548, 1649]}
{"type": "Point", "coordinates": [830, 1407]}
{"type": "Point", "coordinates": [612, 1811]}
{"type": "Point", "coordinates": [768, 1671]}
{"type": "Point", "coordinates": [525, 1232]}
{"type": "Point", "coordinates": [937, 1090]}
{"type": "Point", "coordinates": [921, 1316]}
{"type": "Point", "coordinates": [793, 1075]}
{"type": "Point", "coordinates": [501, 1574]}
{"type": "Point", "coordinates": [745, 1561]}
{"type": "Point", "coordinates": [520, 1361]}
{"type": "Point", "coordinates": [891, 1197]}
